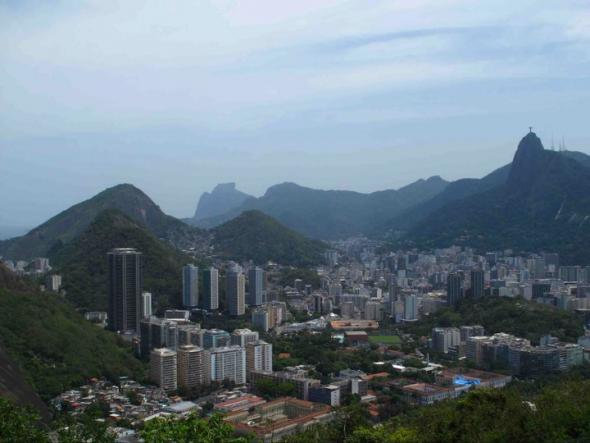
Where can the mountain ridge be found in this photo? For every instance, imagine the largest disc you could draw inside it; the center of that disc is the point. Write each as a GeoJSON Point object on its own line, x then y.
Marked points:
{"type": "Point", "coordinates": [329, 214]}
{"type": "Point", "coordinates": [65, 226]}
{"type": "Point", "coordinates": [223, 198]}
{"type": "Point", "coordinates": [544, 205]}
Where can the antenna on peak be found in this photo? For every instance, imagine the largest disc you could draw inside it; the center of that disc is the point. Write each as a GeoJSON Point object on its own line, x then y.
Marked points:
{"type": "Point", "coordinates": [530, 129]}
{"type": "Point", "coordinates": [552, 143]}
{"type": "Point", "coordinates": [563, 143]}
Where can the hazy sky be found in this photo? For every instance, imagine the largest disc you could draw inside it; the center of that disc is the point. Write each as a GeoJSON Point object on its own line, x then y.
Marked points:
{"type": "Point", "coordinates": [176, 96]}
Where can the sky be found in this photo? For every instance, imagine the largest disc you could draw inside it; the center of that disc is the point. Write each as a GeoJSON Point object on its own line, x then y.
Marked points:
{"type": "Point", "coordinates": [365, 95]}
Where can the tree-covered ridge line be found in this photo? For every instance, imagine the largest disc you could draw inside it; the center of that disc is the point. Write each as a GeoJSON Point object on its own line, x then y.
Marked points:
{"type": "Point", "coordinates": [542, 205]}
{"type": "Point", "coordinates": [70, 223]}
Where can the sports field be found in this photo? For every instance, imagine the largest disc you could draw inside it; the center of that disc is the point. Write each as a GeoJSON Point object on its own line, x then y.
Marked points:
{"type": "Point", "coordinates": [385, 339]}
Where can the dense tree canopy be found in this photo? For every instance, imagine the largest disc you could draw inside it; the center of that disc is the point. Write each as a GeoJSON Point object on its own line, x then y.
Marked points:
{"type": "Point", "coordinates": [502, 314]}
{"type": "Point", "coordinates": [19, 425]}
{"type": "Point", "coordinates": [192, 429]}
{"type": "Point", "coordinates": [55, 346]}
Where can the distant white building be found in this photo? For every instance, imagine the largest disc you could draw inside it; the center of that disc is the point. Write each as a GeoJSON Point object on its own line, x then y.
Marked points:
{"type": "Point", "coordinates": [53, 282]}
{"type": "Point", "coordinates": [146, 305]}
{"type": "Point", "coordinates": [163, 368]}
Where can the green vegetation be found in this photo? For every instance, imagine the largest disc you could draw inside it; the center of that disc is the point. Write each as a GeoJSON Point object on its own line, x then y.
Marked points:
{"type": "Point", "coordinates": [269, 389]}
{"type": "Point", "coordinates": [556, 413]}
{"type": "Point", "coordinates": [19, 425]}
{"type": "Point", "coordinates": [348, 419]}
{"type": "Point", "coordinates": [320, 350]}
{"type": "Point", "coordinates": [309, 276]}
{"type": "Point", "coordinates": [501, 314]}
{"type": "Point", "coordinates": [60, 230]}
{"type": "Point", "coordinates": [90, 426]}
{"type": "Point", "coordinates": [191, 429]}
{"type": "Point", "coordinates": [254, 235]}
{"type": "Point", "coordinates": [53, 344]}
{"type": "Point", "coordinates": [385, 339]}
{"type": "Point", "coordinates": [83, 262]}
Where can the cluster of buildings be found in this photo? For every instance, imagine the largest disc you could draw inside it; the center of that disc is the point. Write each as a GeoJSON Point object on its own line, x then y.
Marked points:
{"type": "Point", "coordinates": [405, 285]}
{"type": "Point", "coordinates": [185, 356]}
{"type": "Point", "coordinates": [520, 357]}
{"type": "Point", "coordinates": [508, 352]}
{"type": "Point", "coordinates": [449, 383]}
{"type": "Point", "coordinates": [272, 421]}
{"type": "Point", "coordinates": [452, 341]}
{"type": "Point", "coordinates": [131, 404]}
{"type": "Point", "coordinates": [128, 304]}
{"type": "Point", "coordinates": [127, 400]}
{"type": "Point", "coordinates": [37, 267]}
{"type": "Point", "coordinates": [308, 388]}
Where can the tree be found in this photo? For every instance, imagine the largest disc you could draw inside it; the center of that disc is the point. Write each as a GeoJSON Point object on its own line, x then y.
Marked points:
{"type": "Point", "coordinates": [19, 425]}
{"type": "Point", "coordinates": [269, 389]}
{"type": "Point", "coordinates": [191, 429]}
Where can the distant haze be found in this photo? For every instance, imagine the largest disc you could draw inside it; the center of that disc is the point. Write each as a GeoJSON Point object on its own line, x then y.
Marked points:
{"type": "Point", "coordinates": [176, 97]}
{"type": "Point", "coordinates": [12, 231]}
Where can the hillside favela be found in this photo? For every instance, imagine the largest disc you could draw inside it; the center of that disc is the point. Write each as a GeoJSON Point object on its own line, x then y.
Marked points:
{"type": "Point", "coordinates": [298, 222]}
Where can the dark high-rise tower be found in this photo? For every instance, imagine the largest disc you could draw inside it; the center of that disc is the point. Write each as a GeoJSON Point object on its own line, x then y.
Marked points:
{"type": "Point", "coordinates": [454, 288]}
{"type": "Point", "coordinates": [190, 286]}
{"type": "Point", "coordinates": [477, 283]}
{"type": "Point", "coordinates": [125, 286]}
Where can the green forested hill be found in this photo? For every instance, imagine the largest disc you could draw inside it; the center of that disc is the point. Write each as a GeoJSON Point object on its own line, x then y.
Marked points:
{"type": "Point", "coordinates": [254, 235]}
{"type": "Point", "coordinates": [67, 225]}
{"type": "Point", "coordinates": [55, 347]}
{"type": "Point", "coordinates": [83, 262]}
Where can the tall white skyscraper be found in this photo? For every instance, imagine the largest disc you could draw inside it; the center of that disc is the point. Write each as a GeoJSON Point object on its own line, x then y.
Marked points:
{"type": "Point", "coordinates": [228, 363]}
{"type": "Point", "coordinates": [190, 286]}
{"type": "Point", "coordinates": [255, 286]}
{"type": "Point", "coordinates": [146, 305]}
{"type": "Point", "coordinates": [210, 299]}
{"type": "Point", "coordinates": [235, 292]}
